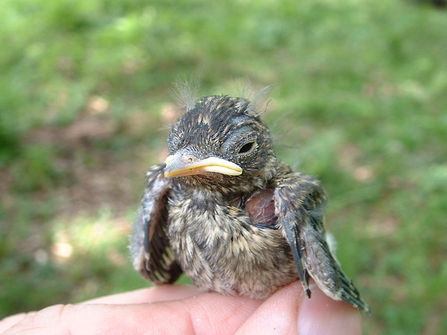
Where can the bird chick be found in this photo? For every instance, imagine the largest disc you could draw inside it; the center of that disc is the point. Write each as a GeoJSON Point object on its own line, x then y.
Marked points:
{"type": "Point", "coordinates": [226, 212]}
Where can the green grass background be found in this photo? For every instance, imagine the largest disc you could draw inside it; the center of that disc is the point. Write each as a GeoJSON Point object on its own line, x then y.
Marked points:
{"type": "Point", "coordinates": [361, 102]}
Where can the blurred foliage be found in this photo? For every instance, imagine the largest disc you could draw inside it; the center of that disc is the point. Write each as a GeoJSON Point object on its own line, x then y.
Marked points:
{"type": "Point", "coordinates": [361, 102]}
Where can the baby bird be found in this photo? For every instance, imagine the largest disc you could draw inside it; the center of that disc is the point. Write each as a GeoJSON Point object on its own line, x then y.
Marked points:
{"type": "Point", "coordinates": [226, 212]}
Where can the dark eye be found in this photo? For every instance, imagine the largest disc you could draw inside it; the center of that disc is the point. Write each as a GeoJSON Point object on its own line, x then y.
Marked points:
{"type": "Point", "coordinates": [247, 148]}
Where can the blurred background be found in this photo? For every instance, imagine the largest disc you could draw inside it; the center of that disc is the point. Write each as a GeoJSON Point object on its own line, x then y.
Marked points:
{"type": "Point", "coordinates": [361, 102]}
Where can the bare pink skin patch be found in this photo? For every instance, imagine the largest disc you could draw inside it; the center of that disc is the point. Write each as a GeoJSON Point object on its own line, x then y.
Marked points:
{"type": "Point", "coordinates": [261, 207]}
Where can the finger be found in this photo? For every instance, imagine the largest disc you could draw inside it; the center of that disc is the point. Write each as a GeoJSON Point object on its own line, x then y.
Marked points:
{"type": "Point", "coordinates": [289, 311]}
{"type": "Point", "coordinates": [146, 295]}
{"type": "Point", "coordinates": [322, 315]}
{"type": "Point", "coordinates": [209, 313]}
{"type": "Point", "coordinates": [9, 321]}
{"type": "Point", "coordinates": [278, 314]}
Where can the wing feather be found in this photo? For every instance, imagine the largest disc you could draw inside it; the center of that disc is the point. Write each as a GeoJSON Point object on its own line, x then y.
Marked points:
{"type": "Point", "coordinates": [151, 252]}
{"type": "Point", "coordinates": [300, 201]}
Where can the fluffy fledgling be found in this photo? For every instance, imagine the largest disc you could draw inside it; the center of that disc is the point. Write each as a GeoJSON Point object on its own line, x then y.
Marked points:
{"type": "Point", "coordinates": [226, 212]}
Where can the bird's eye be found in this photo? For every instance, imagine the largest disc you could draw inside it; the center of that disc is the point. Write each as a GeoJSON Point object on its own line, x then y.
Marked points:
{"type": "Point", "coordinates": [247, 148]}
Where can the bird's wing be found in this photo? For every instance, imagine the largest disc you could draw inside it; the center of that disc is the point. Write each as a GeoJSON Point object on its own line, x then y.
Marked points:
{"type": "Point", "coordinates": [299, 201]}
{"type": "Point", "coordinates": [151, 252]}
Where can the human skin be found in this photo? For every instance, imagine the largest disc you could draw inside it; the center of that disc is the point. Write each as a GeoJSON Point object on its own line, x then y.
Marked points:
{"type": "Point", "coordinates": [182, 309]}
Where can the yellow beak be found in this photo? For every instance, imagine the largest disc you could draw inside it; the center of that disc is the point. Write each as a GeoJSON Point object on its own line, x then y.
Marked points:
{"type": "Point", "coordinates": [181, 164]}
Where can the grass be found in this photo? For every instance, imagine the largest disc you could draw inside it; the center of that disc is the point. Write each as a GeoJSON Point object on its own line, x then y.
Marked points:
{"type": "Point", "coordinates": [361, 103]}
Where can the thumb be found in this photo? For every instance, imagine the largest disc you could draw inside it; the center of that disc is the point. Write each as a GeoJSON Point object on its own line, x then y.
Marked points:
{"type": "Point", "coordinates": [289, 311]}
{"type": "Point", "coordinates": [322, 315]}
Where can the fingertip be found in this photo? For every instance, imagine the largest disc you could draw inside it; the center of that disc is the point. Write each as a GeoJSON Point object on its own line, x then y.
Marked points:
{"type": "Point", "coordinates": [277, 314]}
{"type": "Point", "coordinates": [323, 315]}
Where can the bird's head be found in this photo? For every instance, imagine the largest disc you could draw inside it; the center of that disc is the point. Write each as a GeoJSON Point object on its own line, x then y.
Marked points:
{"type": "Point", "coordinates": [221, 142]}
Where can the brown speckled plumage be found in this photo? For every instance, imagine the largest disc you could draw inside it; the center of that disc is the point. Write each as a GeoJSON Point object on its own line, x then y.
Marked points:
{"type": "Point", "coordinates": [240, 223]}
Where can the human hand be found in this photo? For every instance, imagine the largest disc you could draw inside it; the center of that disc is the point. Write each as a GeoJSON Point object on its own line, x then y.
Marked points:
{"type": "Point", "coordinates": [182, 309]}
